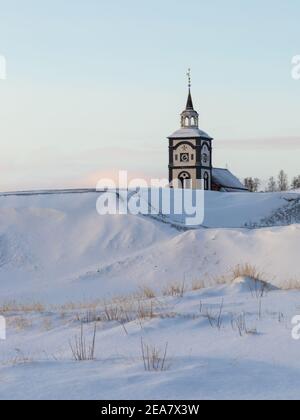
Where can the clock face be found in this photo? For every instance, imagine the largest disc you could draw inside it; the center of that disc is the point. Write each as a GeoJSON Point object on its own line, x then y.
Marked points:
{"type": "Point", "coordinates": [184, 157]}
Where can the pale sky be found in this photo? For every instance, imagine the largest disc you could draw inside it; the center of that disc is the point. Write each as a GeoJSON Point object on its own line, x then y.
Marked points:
{"type": "Point", "coordinates": [95, 86]}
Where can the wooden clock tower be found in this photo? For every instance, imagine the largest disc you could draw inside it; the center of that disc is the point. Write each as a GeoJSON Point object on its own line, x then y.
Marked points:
{"type": "Point", "coordinates": [190, 151]}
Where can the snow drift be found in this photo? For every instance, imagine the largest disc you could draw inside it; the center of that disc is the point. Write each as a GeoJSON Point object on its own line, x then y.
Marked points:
{"type": "Point", "coordinates": [55, 247]}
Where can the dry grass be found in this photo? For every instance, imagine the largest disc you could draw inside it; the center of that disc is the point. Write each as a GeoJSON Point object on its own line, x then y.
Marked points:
{"type": "Point", "coordinates": [82, 351]}
{"type": "Point", "coordinates": [247, 270]}
{"type": "Point", "coordinates": [75, 306]}
{"type": "Point", "coordinates": [175, 290]}
{"type": "Point", "coordinates": [238, 323]}
{"type": "Point", "coordinates": [19, 322]}
{"type": "Point", "coordinates": [215, 319]}
{"type": "Point", "coordinates": [132, 310]}
{"type": "Point", "coordinates": [154, 359]}
{"type": "Point", "coordinates": [47, 324]}
{"type": "Point", "coordinates": [21, 358]}
{"type": "Point", "coordinates": [221, 280]}
{"type": "Point", "coordinates": [147, 292]}
{"type": "Point", "coordinates": [13, 307]}
{"type": "Point", "coordinates": [142, 306]}
{"type": "Point", "coordinates": [292, 284]}
{"type": "Point", "coordinates": [198, 285]}
{"type": "Point", "coordinates": [88, 317]}
{"type": "Point", "coordinates": [260, 287]}
{"type": "Point", "coordinates": [122, 311]}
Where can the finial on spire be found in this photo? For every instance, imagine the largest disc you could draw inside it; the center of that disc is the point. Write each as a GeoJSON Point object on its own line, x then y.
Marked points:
{"type": "Point", "coordinates": [189, 78]}
{"type": "Point", "coordinates": [189, 105]}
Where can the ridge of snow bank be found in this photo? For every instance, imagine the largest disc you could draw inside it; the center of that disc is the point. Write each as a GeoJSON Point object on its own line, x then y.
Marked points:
{"type": "Point", "coordinates": [56, 248]}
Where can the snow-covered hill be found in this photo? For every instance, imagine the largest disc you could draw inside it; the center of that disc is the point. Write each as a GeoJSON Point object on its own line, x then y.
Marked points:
{"type": "Point", "coordinates": [145, 282]}
{"type": "Point", "coordinates": [55, 247]}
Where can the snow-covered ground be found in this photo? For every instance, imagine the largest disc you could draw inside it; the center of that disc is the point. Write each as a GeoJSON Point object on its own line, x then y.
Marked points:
{"type": "Point", "coordinates": [55, 249]}
{"type": "Point", "coordinates": [203, 361]}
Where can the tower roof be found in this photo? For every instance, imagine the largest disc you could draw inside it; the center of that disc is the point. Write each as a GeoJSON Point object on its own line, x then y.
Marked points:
{"type": "Point", "coordinates": [190, 133]}
{"type": "Point", "coordinates": [189, 104]}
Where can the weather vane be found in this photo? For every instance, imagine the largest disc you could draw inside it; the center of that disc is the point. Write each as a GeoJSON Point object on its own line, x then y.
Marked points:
{"type": "Point", "coordinates": [189, 77]}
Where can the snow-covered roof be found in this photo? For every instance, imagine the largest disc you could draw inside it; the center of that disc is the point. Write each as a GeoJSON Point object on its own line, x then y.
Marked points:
{"type": "Point", "coordinates": [189, 133]}
{"type": "Point", "coordinates": [226, 180]}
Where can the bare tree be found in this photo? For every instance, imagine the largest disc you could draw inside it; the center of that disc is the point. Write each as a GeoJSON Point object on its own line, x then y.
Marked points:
{"type": "Point", "coordinates": [283, 182]}
{"type": "Point", "coordinates": [272, 186]}
{"type": "Point", "coordinates": [248, 182]}
{"type": "Point", "coordinates": [257, 184]}
{"type": "Point", "coordinates": [296, 183]}
{"type": "Point", "coordinates": [252, 184]}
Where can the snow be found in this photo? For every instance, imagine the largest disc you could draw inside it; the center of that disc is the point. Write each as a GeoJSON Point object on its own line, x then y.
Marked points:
{"type": "Point", "coordinates": [189, 133]}
{"type": "Point", "coordinates": [225, 178]}
{"type": "Point", "coordinates": [206, 363]}
{"type": "Point", "coordinates": [50, 242]}
{"type": "Point", "coordinates": [55, 249]}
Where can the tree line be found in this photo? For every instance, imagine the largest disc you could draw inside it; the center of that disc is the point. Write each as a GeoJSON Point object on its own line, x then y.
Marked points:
{"type": "Point", "coordinates": [281, 183]}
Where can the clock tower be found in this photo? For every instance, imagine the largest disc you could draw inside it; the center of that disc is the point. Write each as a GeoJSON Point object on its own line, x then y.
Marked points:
{"type": "Point", "coordinates": [190, 151]}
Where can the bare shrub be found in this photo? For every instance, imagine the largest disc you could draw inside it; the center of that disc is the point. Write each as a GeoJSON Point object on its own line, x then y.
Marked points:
{"type": "Point", "coordinates": [259, 288]}
{"type": "Point", "coordinates": [239, 324]}
{"type": "Point", "coordinates": [280, 317]}
{"type": "Point", "coordinates": [154, 359]}
{"type": "Point", "coordinates": [215, 319]}
{"type": "Point", "coordinates": [82, 351]}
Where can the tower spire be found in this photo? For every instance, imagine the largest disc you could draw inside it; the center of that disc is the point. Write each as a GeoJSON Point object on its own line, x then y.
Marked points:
{"type": "Point", "coordinates": [189, 117]}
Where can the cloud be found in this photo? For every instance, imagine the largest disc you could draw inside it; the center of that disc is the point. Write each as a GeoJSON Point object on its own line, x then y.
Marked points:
{"type": "Point", "coordinates": [135, 178]}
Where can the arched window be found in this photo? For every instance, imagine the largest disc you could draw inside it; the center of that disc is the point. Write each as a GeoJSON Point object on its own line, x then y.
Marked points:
{"type": "Point", "coordinates": [184, 177]}
{"type": "Point", "coordinates": [187, 122]}
{"type": "Point", "coordinates": [206, 181]}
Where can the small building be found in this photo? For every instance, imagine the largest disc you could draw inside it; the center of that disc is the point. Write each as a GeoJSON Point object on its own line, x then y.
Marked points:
{"type": "Point", "coordinates": [190, 157]}
{"type": "Point", "coordinates": [223, 180]}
